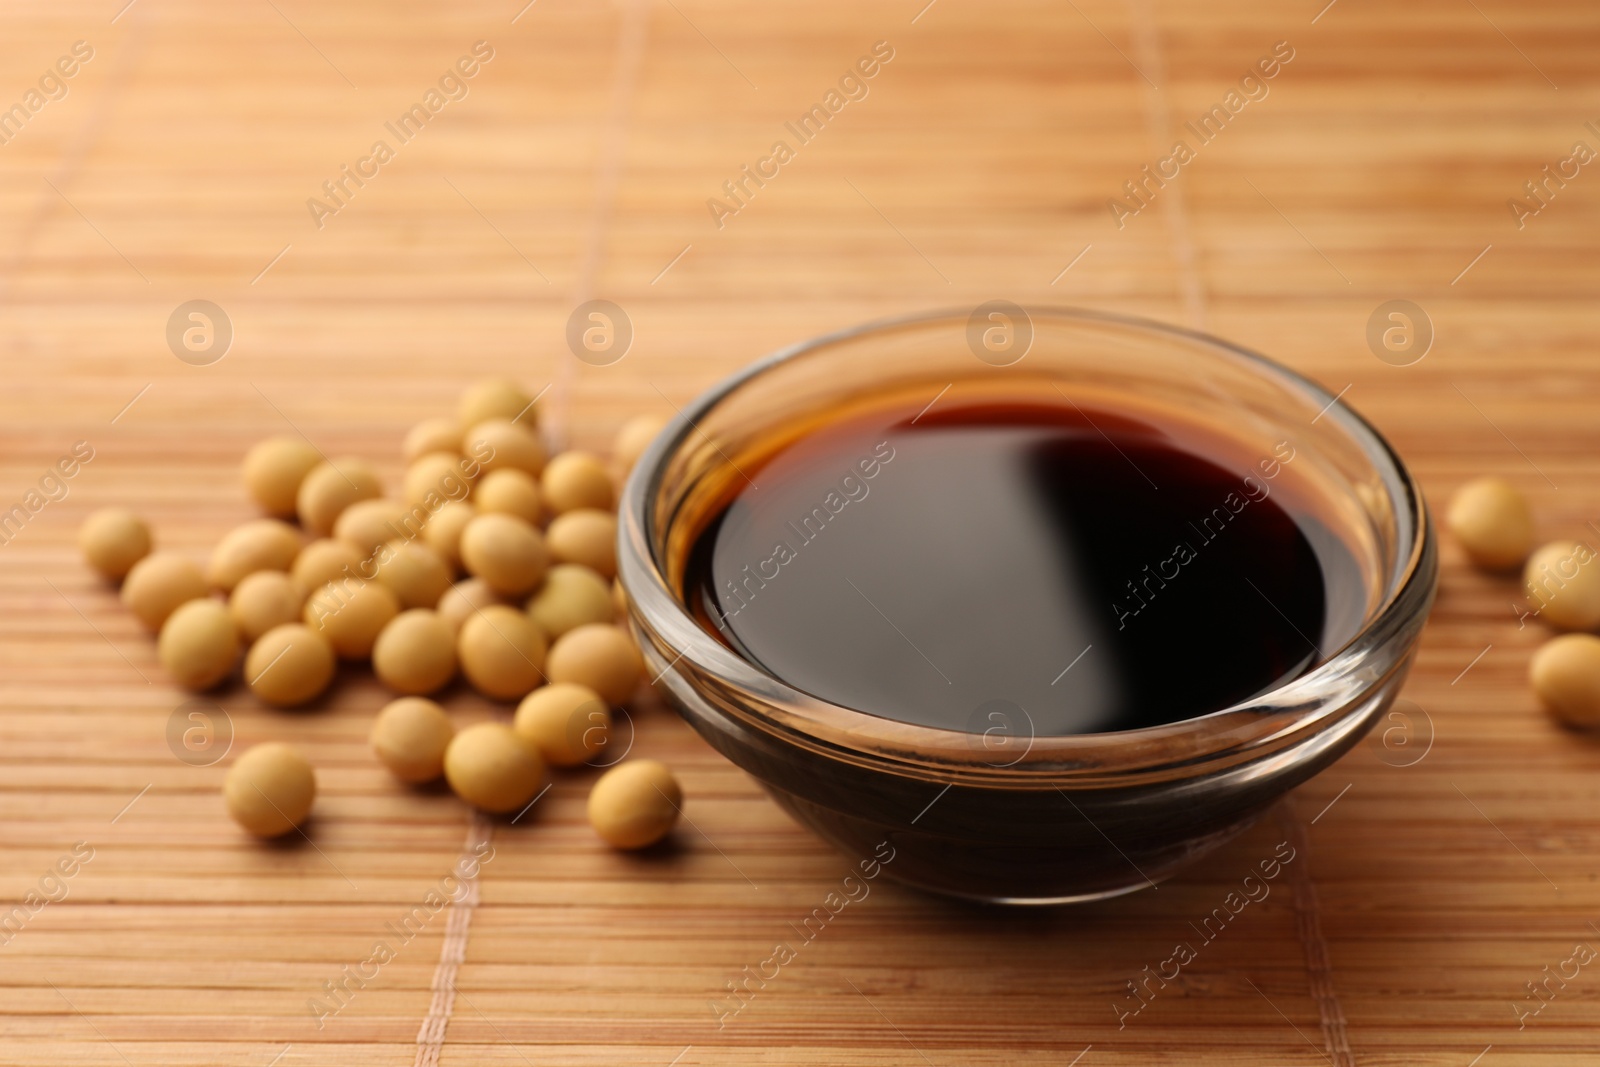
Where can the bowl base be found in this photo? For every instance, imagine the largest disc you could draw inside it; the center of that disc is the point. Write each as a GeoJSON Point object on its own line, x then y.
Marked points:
{"type": "Point", "coordinates": [1081, 866]}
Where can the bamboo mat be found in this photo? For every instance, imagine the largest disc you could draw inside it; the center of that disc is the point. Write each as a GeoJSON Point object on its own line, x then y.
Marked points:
{"type": "Point", "coordinates": [578, 165]}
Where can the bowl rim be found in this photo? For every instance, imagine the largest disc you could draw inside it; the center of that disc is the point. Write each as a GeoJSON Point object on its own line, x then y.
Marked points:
{"type": "Point", "coordinates": [1287, 714]}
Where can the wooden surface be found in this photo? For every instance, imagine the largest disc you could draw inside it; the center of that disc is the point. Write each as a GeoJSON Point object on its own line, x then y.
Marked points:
{"type": "Point", "coordinates": [177, 167]}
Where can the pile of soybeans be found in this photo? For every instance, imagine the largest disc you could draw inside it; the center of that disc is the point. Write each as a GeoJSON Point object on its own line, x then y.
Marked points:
{"type": "Point", "coordinates": [497, 563]}
{"type": "Point", "coordinates": [1561, 580]}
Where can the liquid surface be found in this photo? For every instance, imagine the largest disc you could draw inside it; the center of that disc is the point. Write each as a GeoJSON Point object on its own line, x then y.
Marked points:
{"type": "Point", "coordinates": [1035, 570]}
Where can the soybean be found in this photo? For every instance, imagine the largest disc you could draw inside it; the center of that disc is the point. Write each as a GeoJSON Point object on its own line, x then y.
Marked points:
{"type": "Point", "coordinates": [496, 398]}
{"type": "Point", "coordinates": [332, 486]}
{"type": "Point", "coordinates": [1492, 522]}
{"type": "Point", "coordinates": [499, 444]}
{"type": "Point", "coordinates": [413, 572]}
{"type": "Point", "coordinates": [634, 437]}
{"type": "Point", "coordinates": [415, 653]}
{"type": "Point", "coordinates": [502, 652]}
{"type": "Point", "coordinates": [410, 736]}
{"type": "Point", "coordinates": [587, 536]}
{"type": "Point", "coordinates": [289, 665]}
{"type": "Point", "coordinates": [577, 480]}
{"type": "Point", "coordinates": [1566, 677]}
{"type": "Point", "coordinates": [366, 524]}
{"type": "Point", "coordinates": [112, 540]}
{"type": "Point", "coordinates": [351, 614]}
{"type": "Point", "coordinates": [443, 531]}
{"type": "Point", "coordinates": [599, 656]}
{"type": "Point", "coordinates": [570, 596]}
{"type": "Point", "coordinates": [263, 600]}
{"type": "Point", "coordinates": [273, 471]}
{"type": "Point", "coordinates": [506, 552]}
{"type": "Point", "coordinates": [490, 767]}
{"type": "Point", "coordinates": [437, 477]}
{"type": "Point", "coordinates": [199, 645]}
{"type": "Point", "coordinates": [635, 804]}
{"type": "Point", "coordinates": [1562, 580]}
{"type": "Point", "coordinates": [258, 545]}
{"type": "Point", "coordinates": [509, 492]}
{"type": "Point", "coordinates": [463, 599]}
{"type": "Point", "coordinates": [432, 435]}
{"type": "Point", "coordinates": [270, 789]}
{"type": "Point", "coordinates": [326, 560]}
{"type": "Point", "coordinates": [159, 583]}
{"type": "Point", "coordinates": [568, 724]}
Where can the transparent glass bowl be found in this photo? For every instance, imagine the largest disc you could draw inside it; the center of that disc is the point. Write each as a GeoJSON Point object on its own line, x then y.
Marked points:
{"type": "Point", "coordinates": [1046, 819]}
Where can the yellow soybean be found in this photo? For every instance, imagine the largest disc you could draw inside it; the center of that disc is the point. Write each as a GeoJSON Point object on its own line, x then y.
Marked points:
{"type": "Point", "coordinates": [415, 653]}
{"type": "Point", "coordinates": [1566, 677]}
{"type": "Point", "coordinates": [331, 487]}
{"type": "Point", "coordinates": [366, 524]}
{"type": "Point", "coordinates": [570, 596]}
{"type": "Point", "coordinates": [351, 614]}
{"type": "Point", "coordinates": [499, 444]}
{"type": "Point", "coordinates": [258, 545]}
{"type": "Point", "coordinates": [443, 531]}
{"type": "Point", "coordinates": [410, 736]}
{"type": "Point", "coordinates": [112, 540]}
{"type": "Point", "coordinates": [463, 599]}
{"type": "Point", "coordinates": [159, 583]}
{"type": "Point", "coordinates": [1562, 580]}
{"type": "Point", "coordinates": [1492, 522]}
{"type": "Point", "coordinates": [634, 437]}
{"type": "Point", "coordinates": [635, 804]}
{"type": "Point", "coordinates": [273, 471]}
{"type": "Point", "coordinates": [585, 536]}
{"type": "Point", "coordinates": [506, 552]}
{"type": "Point", "coordinates": [496, 398]}
{"type": "Point", "coordinates": [490, 767]}
{"type": "Point", "coordinates": [577, 480]}
{"type": "Point", "coordinates": [326, 560]}
{"type": "Point", "coordinates": [413, 572]}
{"type": "Point", "coordinates": [270, 789]}
{"type": "Point", "coordinates": [502, 652]}
{"type": "Point", "coordinates": [598, 656]}
{"type": "Point", "coordinates": [509, 492]}
{"type": "Point", "coordinates": [289, 665]}
{"type": "Point", "coordinates": [568, 724]}
{"type": "Point", "coordinates": [199, 645]}
{"type": "Point", "coordinates": [438, 477]}
{"type": "Point", "coordinates": [263, 600]}
{"type": "Point", "coordinates": [432, 435]}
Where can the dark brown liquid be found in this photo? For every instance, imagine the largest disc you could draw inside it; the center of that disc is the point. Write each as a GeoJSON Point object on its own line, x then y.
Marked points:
{"type": "Point", "coordinates": [1038, 569]}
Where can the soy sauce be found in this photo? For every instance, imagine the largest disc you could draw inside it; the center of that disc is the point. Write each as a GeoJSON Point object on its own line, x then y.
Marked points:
{"type": "Point", "coordinates": [1075, 570]}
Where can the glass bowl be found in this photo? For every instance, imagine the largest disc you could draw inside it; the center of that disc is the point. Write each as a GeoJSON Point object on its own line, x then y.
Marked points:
{"type": "Point", "coordinates": [1002, 816]}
